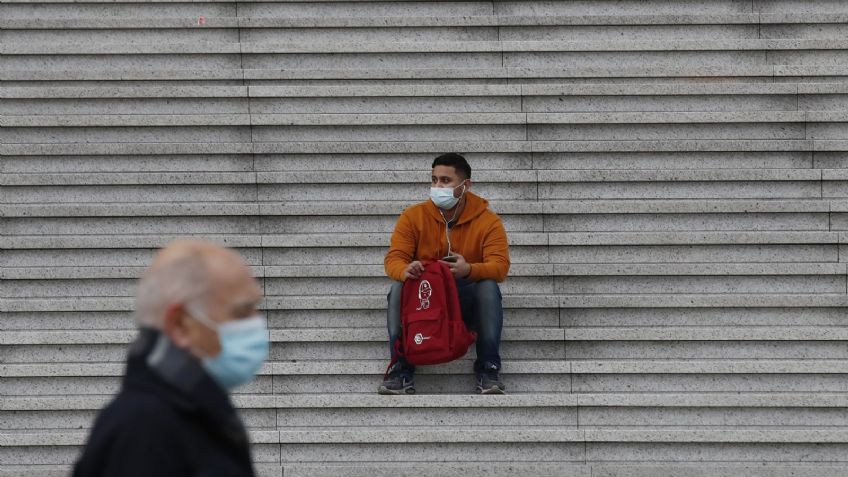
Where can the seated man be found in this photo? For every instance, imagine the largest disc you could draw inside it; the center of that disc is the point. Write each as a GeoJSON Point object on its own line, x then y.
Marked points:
{"type": "Point", "coordinates": [456, 223]}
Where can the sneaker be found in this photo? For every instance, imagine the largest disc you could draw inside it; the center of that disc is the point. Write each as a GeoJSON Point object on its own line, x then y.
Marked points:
{"type": "Point", "coordinates": [489, 381]}
{"type": "Point", "coordinates": [398, 381]}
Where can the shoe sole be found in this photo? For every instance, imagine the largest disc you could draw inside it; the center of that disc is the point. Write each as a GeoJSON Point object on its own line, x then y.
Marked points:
{"type": "Point", "coordinates": [492, 390]}
{"type": "Point", "coordinates": [395, 392]}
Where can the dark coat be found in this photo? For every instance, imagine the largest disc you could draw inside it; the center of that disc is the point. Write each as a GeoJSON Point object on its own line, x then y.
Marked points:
{"type": "Point", "coordinates": [170, 419]}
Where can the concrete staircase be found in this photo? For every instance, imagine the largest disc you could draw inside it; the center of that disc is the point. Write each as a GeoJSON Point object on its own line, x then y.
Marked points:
{"type": "Point", "coordinates": [672, 175]}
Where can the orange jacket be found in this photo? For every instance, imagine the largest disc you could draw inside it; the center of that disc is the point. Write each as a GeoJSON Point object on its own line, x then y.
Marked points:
{"type": "Point", "coordinates": [478, 235]}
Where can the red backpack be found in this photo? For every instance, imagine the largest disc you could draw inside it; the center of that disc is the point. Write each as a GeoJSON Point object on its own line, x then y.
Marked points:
{"type": "Point", "coordinates": [432, 330]}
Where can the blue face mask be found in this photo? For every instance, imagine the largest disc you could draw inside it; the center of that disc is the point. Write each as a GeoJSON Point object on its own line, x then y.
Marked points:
{"type": "Point", "coordinates": [443, 197]}
{"type": "Point", "coordinates": [244, 348]}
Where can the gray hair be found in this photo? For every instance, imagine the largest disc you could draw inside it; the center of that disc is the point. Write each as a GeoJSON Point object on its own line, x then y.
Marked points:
{"type": "Point", "coordinates": [183, 280]}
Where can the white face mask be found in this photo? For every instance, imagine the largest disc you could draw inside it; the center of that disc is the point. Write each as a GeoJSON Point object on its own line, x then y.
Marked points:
{"type": "Point", "coordinates": [443, 197]}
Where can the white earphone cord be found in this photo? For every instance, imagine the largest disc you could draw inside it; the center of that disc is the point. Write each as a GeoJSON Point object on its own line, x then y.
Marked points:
{"type": "Point", "coordinates": [447, 232]}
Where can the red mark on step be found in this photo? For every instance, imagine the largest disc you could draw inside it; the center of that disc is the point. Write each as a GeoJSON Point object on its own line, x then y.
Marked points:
{"type": "Point", "coordinates": [201, 21]}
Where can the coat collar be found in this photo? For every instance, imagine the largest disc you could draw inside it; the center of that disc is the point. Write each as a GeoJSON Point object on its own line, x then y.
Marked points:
{"type": "Point", "coordinates": [155, 365]}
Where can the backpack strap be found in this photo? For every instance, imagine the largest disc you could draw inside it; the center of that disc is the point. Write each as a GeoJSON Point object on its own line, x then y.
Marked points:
{"type": "Point", "coordinates": [396, 355]}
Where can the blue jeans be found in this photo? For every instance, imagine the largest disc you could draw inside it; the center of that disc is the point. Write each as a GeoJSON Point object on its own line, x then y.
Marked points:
{"type": "Point", "coordinates": [482, 312]}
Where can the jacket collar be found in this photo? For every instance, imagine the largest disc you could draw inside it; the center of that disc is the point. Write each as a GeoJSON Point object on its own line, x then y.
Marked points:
{"type": "Point", "coordinates": [155, 365]}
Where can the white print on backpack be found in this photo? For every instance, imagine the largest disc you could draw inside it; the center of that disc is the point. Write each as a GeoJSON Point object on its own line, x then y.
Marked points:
{"type": "Point", "coordinates": [424, 292]}
{"type": "Point", "coordinates": [419, 338]}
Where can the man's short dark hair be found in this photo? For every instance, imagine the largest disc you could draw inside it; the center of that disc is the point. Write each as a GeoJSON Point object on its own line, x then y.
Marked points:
{"type": "Point", "coordinates": [456, 161]}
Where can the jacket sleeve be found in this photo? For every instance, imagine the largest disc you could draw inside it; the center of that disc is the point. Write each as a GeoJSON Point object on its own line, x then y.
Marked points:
{"type": "Point", "coordinates": [402, 249]}
{"type": "Point", "coordinates": [495, 265]}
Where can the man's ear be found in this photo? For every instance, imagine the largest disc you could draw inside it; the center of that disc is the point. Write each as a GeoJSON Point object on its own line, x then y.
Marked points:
{"type": "Point", "coordinates": [467, 184]}
{"type": "Point", "coordinates": [174, 325]}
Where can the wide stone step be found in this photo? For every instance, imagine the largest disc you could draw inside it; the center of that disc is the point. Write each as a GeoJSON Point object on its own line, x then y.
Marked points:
{"type": "Point", "coordinates": [422, 119]}
{"type": "Point", "coordinates": [562, 470]}
{"type": "Point", "coordinates": [299, 350]}
{"type": "Point", "coordinates": [202, 28]}
{"type": "Point", "coordinates": [373, 252]}
{"type": "Point", "coordinates": [410, 21]}
{"type": "Point", "coordinates": [509, 210]}
{"type": "Point", "coordinates": [547, 269]}
{"type": "Point", "coordinates": [547, 301]}
{"type": "Point", "coordinates": [126, 250]}
{"type": "Point", "coordinates": [400, 90]}
{"type": "Point", "coordinates": [220, 129]}
{"type": "Point", "coordinates": [540, 126]}
{"type": "Point", "coordinates": [294, 412]}
{"type": "Point", "coordinates": [503, 469]}
{"type": "Point", "coordinates": [268, 103]}
{"type": "Point", "coordinates": [684, 7]}
{"type": "Point", "coordinates": [707, 411]}
{"type": "Point", "coordinates": [765, 342]}
{"type": "Point", "coordinates": [482, 434]}
{"type": "Point", "coordinates": [584, 376]}
{"type": "Point", "coordinates": [273, 412]}
{"type": "Point", "coordinates": [699, 192]}
{"type": "Point", "coordinates": [483, 445]}
{"type": "Point", "coordinates": [824, 313]}
{"type": "Point", "coordinates": [686, 347]}
{"type": "Point", "coordinates": [498, 75]}
{"type": "Point", "coordinates": [591, 219]}
{"type": "Point", "coordinates": [474, 54]}
{"type": "Point", "coordinates": [377, 367]}
{"type": "Point", "coordinates": [354, 281]}
{"type": "Point", "coordinates": [460, 384]}
{"type": "Point", "coordinates": [139, 247]}
{"type": "Point", "coordinates": [343, 335]}
{"type": "Point", "coordinates": [485, 69]}
{"type": "Point", "coordinates": [508, 401]}
{"type": "Point", "coordinates": [473, 28]}
{"type": "Point", "coordinates": [440, 74]}
{"type": "Point", "coordinates": [355, 9]}
{"type": "Point", "coordinates": [363, 48]}
{"type": "Point", "coordinates": [399, 162]}
{"type": "Point", "coordinates": [407, 147]}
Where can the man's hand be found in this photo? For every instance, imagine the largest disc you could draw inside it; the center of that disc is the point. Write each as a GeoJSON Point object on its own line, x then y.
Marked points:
{"type": "Point", "coordinates": [413, 271]}
{"type": "Point", "coordinates": [460, 268]}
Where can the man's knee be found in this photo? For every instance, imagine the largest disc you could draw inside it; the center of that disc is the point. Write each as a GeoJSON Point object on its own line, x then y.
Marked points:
{"type": "Point", "coordinates": [395, 290]}
{"type": "Point", "coordinates": [488, 289]}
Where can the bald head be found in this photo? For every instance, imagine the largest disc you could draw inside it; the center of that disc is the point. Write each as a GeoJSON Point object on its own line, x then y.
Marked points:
{"type": "Point", "coordinates": [193, 272]}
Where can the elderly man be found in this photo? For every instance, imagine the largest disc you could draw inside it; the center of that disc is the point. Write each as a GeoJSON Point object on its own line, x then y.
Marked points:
{"type": "Point", "coordinates": [201, 336]}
